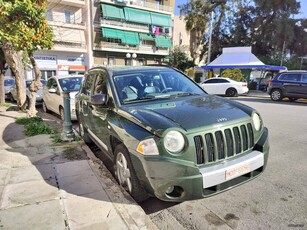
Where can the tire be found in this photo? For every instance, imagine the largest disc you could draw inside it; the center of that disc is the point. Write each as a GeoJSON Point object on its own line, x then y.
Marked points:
{"type": "Point", "coordinates": [231, 92]}
{"type": "Point", "coordinates": [11, 98]}
{"type": "Point", "coordinates": [84, 134]}
{"type": "Point", "coordinates": [27, 103]}
{"type": "Point", "coordinates": [46, 110]}
{"type": "Point", "coordinates": [125, 174]}
{"type": "Point", "coordinates": [276, 95]}
{"type": "Point", "coordinates": [61, 111]}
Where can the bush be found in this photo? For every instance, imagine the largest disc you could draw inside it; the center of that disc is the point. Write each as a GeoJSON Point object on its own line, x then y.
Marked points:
{"type": "Point", "coordinates": [34, 126]}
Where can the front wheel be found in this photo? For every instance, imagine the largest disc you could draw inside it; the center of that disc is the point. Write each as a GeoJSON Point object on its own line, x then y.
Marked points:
{"type": "Point", "coordinates": [125, 174]}
{"type": "Point", "coordinates": [276, 95]}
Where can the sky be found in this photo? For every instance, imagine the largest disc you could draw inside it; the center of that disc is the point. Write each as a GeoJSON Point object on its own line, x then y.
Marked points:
{"type": "Point", "coordinates": [303, 10]}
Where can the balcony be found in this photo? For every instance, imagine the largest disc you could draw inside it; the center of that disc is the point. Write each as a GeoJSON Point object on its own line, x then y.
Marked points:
{"type": "Point", "coordinates": [142, 4]}
{"type": "Point", "coordinates": [69, 47]}
{"type": "Point", "coordinates": [77, 3]}
{"type": "Point", "coordinates": [142, 49]}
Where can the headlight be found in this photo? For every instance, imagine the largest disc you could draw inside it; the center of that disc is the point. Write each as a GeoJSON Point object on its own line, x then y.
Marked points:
{"type": "Point", "coordinates": [174, 141]}
{"type": "Point", "coordinates": [148, 147]}
{"type": "Point", "coordinates": [256, 121]}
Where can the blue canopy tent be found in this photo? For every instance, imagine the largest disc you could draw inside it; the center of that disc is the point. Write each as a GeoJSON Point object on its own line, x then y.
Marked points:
{"type": "Point", "coordinates": [241, 58]}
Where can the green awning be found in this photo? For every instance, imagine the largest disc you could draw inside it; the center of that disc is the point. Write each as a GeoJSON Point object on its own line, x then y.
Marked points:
{"type": "Point", "coordinates": [161, 19]}
{"type": "Point", "coordinates": [147, 37]}
{"type": "Point", "coordinates": [130, 38]}
{"type": "Point", "coordinates": [110, 11]}
{"type": "Point", "coordinates": [112, 33]}
{"type": "Point", "coordinates": [127, 37]}
{"type": "Point", "coordinates": [163, 42]}
{"type": "Point", "coordinates": [135, 15]}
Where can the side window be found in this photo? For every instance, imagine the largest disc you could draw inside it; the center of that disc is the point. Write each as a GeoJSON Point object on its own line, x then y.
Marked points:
{"type": "Point", "coordinates": [289, 77]}
{"type": "Point", "coordinates": [212, 81]}
{"type": "Point", "coordinates": [222, 81]}
{"type": "Point", "coordinates": [304, 77]}
{"type": "Point", "coordinates": [52, 84]}
{"type": "Point", "coordinates": [100, 86]}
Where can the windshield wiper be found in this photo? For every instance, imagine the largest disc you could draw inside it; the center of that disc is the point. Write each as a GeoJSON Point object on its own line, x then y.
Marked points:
{"type": "Point", "coordinates": [141, 99]}
{"type": "Point", "coordinates": [183, 94]}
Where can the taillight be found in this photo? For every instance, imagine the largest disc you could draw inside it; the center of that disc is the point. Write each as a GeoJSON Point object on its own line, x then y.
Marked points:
{"type": "Point", "coordinates": [244, 84]}
{"type": "Point", "coordinates": [270, 82]}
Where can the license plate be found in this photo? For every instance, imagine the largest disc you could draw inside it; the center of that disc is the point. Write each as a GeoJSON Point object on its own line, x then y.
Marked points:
{"type": "Point", "coordinates": [238, 171]}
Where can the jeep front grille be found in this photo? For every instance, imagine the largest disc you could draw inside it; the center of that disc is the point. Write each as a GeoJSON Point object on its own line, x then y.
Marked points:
{"type": "Point", "coordinates": [222, 144]}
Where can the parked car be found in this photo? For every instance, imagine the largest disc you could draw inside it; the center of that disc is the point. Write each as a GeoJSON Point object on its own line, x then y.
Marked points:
{"type": "Point", "coordinates": [53, 94]}
{"type": "Point", "coordinates": [8, 84]}
{"type": "Point", "coordinates": [165, 136]}
{"type": "Point", "coordinates": [224, 86]}
{"type": "Point", "coordinates": [290, 84]}
{"type": "Point", "coordinates": [39, 93]}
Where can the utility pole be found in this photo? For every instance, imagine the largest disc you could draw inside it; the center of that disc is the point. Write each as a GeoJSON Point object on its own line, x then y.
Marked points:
{"type": "Point", "coordinates": [282, 53]}
{"type": "Point", "coordinates": [210, 37]}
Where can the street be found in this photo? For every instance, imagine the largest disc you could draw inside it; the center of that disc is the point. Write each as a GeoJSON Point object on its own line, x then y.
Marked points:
{"type": "Point", "coordinates": [275, 200]}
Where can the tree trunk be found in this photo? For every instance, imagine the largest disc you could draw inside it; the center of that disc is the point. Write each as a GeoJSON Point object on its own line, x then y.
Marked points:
{"type": "Point", "coordinates": [14, 60]}
{"type": "Point", "coordinates": [34, 87]}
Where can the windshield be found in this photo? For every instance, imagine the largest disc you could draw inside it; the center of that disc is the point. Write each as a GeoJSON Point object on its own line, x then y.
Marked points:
{"type": "Point", "coordinates": [150, 85]}
{"type": "Point", "coordinates": [71, 83]}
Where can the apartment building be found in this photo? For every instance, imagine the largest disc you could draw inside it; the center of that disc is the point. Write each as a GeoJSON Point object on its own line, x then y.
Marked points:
{"type": "Point", "coordinates": [131, 32]}
{"type": "Point", "coordinates": [70, 53]}
{"type": "Point", "coordinates": [181, 37]}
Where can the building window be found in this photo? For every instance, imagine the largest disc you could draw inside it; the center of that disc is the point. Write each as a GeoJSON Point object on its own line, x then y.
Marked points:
{"type": "Point", "coordinates": [69, 16]}
{"type": "Point", "coordinates": [141, 62]}
{"type": "Point", "coordinates": [46, 74]}
{"type": "Point", "coordinates": [111, 61]}
{"type": "Point", "coordinates": [49, 15]}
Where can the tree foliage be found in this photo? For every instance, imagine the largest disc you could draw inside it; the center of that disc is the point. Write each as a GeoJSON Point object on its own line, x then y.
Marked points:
{"type": "Point", "coordinates": [268, 27]}
{"type": "Point", "coordinates": [24, 29]}
{"type": "Point", "coordinates": [179, 59]}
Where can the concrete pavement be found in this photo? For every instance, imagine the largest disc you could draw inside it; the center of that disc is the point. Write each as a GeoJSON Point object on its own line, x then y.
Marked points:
{"type": "Point", "coordinates": [47, 185]}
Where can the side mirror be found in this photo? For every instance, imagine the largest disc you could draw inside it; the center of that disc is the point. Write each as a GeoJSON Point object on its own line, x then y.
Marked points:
{"type": "Point", "coordinates": [52, 90]}
{"type": "Point", "coordinates": [99, 100]}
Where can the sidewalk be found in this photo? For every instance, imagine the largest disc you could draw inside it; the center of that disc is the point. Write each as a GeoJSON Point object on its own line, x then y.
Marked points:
{"type": "Point", "coordinates": [44, 185]}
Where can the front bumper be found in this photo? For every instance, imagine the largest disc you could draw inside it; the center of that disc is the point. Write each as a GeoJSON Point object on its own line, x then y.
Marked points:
{"type": "Point", "coordinates": [190, 181]}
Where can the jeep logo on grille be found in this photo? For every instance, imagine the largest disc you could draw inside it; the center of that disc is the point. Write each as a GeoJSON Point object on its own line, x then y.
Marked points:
{"type": "Point", "coordinates": [221, 119]}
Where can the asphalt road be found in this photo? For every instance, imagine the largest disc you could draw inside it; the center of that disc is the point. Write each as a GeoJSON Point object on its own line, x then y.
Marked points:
{"type": "Point", "coordinates": [275, 200]}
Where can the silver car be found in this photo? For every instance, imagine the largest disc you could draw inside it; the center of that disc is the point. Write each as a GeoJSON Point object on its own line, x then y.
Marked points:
{"type": "Point", "coordinates": [39, 93]}
{"type": "Point", "coordinates": [8, 84]}
{"type": "Point", "coordinates": [53, 94]}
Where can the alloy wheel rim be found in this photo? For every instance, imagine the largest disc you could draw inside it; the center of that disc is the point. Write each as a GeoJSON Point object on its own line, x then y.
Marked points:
{"type": "Point", "coordinates": [276, 95]}
{"type": "Point", "coordinates": [123, 172]}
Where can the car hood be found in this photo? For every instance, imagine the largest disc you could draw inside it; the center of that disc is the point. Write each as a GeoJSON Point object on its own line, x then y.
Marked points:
{"type": "Point", "coordinates": [186, 113]}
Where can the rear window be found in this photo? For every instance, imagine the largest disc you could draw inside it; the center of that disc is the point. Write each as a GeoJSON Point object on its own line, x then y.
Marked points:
{"type": "Point", "coordinates": [290, 77]}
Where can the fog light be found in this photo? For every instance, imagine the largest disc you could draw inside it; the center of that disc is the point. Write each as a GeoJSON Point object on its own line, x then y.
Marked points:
{"type": "Point", "coordinates": [169, 190]}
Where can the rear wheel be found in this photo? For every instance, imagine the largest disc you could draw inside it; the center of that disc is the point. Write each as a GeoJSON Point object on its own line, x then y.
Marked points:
{"type": "Point", "coordinates": [125, 174]}
{"type": "Point", "coordinates": [231, 92]}
{"type": "Point", "coordinates": [276, 95]}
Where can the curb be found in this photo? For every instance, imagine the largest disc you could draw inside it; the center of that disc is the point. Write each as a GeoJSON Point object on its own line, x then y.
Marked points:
{"type": "Point", "coordinates": [132, 214]}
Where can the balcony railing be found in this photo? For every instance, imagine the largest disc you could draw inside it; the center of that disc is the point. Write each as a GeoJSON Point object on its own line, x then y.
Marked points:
{"type": "Point", "coordinates": [144, 49]}
{"type": "Point", "coordinates": [77, 3]}
{"type": "Point", "coordinates": [124, 24]}
{"type": "Point", "coordinates": [142, 4]}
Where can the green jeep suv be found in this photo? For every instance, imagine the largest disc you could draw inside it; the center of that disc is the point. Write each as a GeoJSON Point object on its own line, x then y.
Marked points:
{"type": "Point", "coordinates": [165, 136]}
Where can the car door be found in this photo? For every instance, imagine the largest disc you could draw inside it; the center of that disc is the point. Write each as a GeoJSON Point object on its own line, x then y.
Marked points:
{"type": "Point", "coordinates": [210, 86]}
{"type": "Point", "coordinates": [52, 99]}
{"type": "Point", "coordinates": [303, 85]}
{"type": "Point", "coordinates": [98, 116]}
{"type": "Point", "coordinates": [291, 83]}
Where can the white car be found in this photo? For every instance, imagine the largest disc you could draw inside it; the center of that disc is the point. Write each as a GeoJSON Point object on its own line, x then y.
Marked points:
{"type": "Point", "coordinates": [53, 94]}
{"type": "Point", "coordinates": [39, 93]}
{"type": "Point", "coordinates": [224, 86]}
